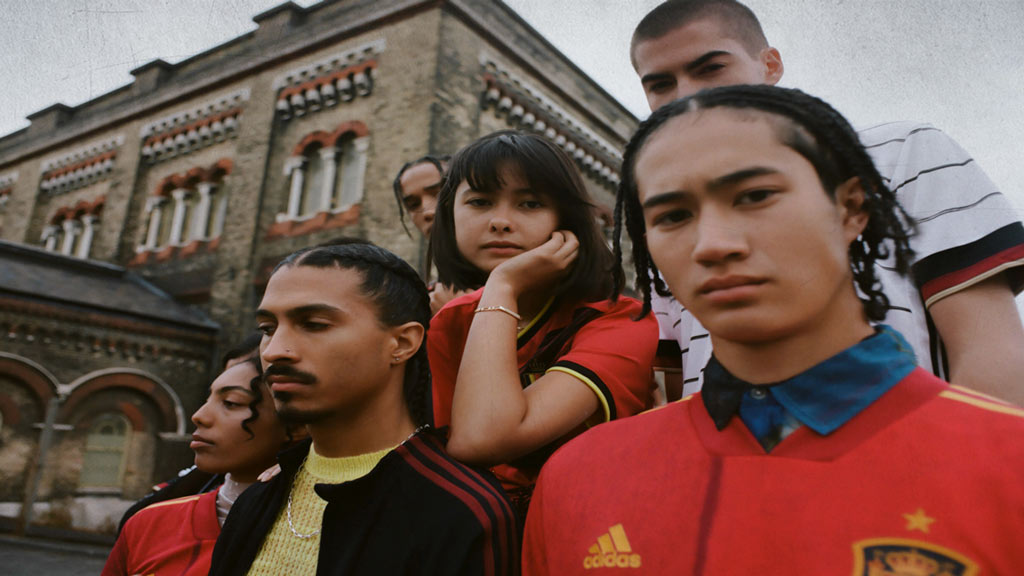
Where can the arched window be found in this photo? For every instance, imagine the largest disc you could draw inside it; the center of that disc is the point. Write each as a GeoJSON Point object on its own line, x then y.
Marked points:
{"type": "Point", "coordinates": [326, 172]}
{"type": "Point", "coordinates": [187, 208]}
{"type": "Point", "coordinates": [71, 231]}
{"type": "Point", "coordinates": [105, 450]}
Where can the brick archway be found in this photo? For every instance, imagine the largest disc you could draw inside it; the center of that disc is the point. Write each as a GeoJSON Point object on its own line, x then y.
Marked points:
{"type": "Point", "coordinates": [172, 414]}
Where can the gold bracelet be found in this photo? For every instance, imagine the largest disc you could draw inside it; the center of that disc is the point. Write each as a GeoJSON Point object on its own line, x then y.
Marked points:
{"type": "Point", "coordinates": [499, 309]}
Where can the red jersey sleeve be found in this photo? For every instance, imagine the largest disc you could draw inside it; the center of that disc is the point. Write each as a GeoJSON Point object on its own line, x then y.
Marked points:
{"type": "Point", "coordinates": [446, 340]}
{"type": "Point", "coordinates": [117, 561]}
{"type": "Point", "coordinates": [612, 354]}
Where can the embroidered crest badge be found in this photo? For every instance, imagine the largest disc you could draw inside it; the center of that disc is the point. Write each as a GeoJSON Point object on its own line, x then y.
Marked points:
{"type": "Point", "coordinates": [903, 557]}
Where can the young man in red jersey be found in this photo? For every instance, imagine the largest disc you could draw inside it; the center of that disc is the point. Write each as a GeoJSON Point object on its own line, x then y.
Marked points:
{"type": "Point", "coordinates": [957, 308]}
{"type": "Point", "coordinates": [816, 445]}
{"type": "Point", "coordinates": [374, 492]}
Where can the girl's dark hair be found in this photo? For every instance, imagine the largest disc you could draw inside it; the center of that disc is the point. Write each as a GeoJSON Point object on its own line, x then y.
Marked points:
{"type": "Point", "coordinates": [249, 346]}
{"type": "Point", "coordinates": [256, 387]}
{"type": "Point", "coordinates": [817, 132]}
{"type": "Point", "coordinates": [550, 172]}
{"type": "Point", "coordinates": [398, 293]}
{"type": "Point", "coordinates": [396, 186]}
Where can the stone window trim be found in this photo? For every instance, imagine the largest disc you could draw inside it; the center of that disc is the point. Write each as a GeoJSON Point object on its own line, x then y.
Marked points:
{"type": "Point", "coordinates": [333, 205]}
{"type": "Point", "coordinates": [71, 229]}
{"type": "Point", "coordinates": [197, 203]}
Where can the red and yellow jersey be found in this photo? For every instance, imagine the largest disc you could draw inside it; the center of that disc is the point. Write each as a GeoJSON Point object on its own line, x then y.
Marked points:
{"type": "Point", "coordinates": [175, 538]}
{"type": "Point", "coordinates": [926, 480]}
{"type": "Point", "coordinates": [599, 343]}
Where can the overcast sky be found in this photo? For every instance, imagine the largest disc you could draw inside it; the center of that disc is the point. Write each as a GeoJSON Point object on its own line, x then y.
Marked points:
{"type": "Point", "coordinates": [958, 64]}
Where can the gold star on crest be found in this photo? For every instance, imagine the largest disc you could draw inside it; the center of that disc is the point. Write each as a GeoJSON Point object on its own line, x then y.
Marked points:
{"type": "Point", "coordinates": [918, 521]}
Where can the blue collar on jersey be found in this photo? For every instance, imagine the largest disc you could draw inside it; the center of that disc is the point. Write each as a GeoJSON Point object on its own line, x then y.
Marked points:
{"type": "Point", "coordinates": [827, 395]}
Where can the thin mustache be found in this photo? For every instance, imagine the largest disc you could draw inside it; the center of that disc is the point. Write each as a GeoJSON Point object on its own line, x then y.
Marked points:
{"type": "Point", "coordinates": [288, 371]}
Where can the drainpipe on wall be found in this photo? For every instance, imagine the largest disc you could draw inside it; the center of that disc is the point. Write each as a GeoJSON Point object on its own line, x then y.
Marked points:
{"type": "Point", "coordinates": [36, 471]}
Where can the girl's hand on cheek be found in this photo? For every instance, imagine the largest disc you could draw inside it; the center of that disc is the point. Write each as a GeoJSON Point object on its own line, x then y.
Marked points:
{"type": "Point", "coordinates": [540, 266]}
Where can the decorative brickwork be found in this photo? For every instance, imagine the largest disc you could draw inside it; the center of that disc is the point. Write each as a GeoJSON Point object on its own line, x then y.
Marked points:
{"type": "Point", "coordinates": [79, 168]}
{"type": "Point", "coordinates": [525, 107]}
{"type": "Point", "coordinates": [339, 78]}
{"type": "Point", "coordinates": [193, 129]}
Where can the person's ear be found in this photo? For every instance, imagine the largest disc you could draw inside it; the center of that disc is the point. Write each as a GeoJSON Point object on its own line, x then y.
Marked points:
{"type": "Point", "coordinates": [851, 201]}
{"type": "Point", "coordinates": [773, 68]}
{"type": "Point", "coordinates": [406, 340]}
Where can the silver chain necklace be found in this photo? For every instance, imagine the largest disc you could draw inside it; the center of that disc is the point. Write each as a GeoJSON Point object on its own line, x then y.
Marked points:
{"type": "Point", "coordinates": [291, 526]}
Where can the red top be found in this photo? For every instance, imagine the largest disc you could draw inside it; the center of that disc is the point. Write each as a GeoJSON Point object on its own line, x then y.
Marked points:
{"type": "Point", "coordinates": [610, 353]}
{"type": "Point", "coordinates": [928, 477]}
{"type": "Point", "coordinates": [175, 537]}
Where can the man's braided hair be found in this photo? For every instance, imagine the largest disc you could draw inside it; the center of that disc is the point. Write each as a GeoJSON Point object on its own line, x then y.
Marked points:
{"type": "Point", "coordinates": [817, 132]}
{"type": "Point", "coordinates": [398, 293]}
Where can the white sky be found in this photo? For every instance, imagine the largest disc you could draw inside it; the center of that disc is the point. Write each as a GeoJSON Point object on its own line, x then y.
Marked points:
{"type": "Point", "coordinates": [958, 64]}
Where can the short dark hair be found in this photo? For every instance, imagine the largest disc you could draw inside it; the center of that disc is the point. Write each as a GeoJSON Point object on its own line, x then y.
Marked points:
{"type": "Point", "coordinates": [549, 171]}
{"type": "Point", "coordinates": [438, 162]}
{"type": "Point", "coordinates": [817, 132]}
{"type": "Point", "coordinates": [398, 294]}
{"type": "Point", "coordinates": [738, 21]}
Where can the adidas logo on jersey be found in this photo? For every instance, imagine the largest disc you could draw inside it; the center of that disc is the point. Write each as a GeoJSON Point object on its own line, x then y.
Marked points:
{"type": "Point", "coordinates": [612, 551]}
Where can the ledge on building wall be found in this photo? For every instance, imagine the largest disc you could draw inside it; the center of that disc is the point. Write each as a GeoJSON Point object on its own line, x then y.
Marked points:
{"type": "Point", "coordinates": [279, 19]}
{"type": "Point", "coordinates": [171, 252]}
{"type": "Point", "coordinates": [150, 75]}
{"type": "Point", "coordinates": [50, 118]}
{"type": "Point", "coordinates": [319, 221]}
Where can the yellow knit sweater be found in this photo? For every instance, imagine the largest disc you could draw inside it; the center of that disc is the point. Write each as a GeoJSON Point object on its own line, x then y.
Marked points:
{"type": "Point", "coordinates": [285, 554]}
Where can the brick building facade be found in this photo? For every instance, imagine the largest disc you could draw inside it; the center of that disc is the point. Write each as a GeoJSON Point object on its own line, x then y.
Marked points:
{"type": "Point", "coordinates": [199, 176]}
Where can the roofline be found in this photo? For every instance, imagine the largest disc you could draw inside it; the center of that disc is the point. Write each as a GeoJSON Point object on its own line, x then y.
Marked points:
{"type": "Point", "coordinates": [399, 11]}
{"type": "Point", "coordinates": [104, 269]}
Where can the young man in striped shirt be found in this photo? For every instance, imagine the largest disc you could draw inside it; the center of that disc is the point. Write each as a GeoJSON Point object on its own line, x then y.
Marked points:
{"type": "Point", "coordinates": [957, 308]}
{"type": "Point", "coordinates": [344, 352]}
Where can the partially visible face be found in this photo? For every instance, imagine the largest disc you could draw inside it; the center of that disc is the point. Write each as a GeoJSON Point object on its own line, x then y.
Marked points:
{"type": "Point", "coordinates": [220, 443]}
{"type": "Point", "coordinates": [325, 354]}
{"type": "Point", "coordinates": [492, 227]}
{"type": "Point", "coordinates": [420, 186]}
{"type": "Point", "coordinates": [741, 228]}
{"type": "Point", "coordinates": [696, 56]}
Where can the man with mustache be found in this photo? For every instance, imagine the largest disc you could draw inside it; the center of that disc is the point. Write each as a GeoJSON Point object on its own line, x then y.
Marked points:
{"type": "Point", "coordinates": [373, 492]}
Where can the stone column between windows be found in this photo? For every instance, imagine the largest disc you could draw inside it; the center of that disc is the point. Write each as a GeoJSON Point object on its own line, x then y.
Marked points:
{"type": "Point", "coordinates": [88, 229]}
{"type": "Point", "coordinates": [294, 168]}
{"type": "Point", "coordinates": [201, 219]}
{"type": "Point", "coordinates": [50, 237]}
{"type": "Point", "coordinates": [328, 155]}
{"type": "Point", "coordinates": [70, 231]}
{"type": "Point", "coordinates": [178, 220]}
{"type": "Point", "coordinates": [222, 211]}
{"type": "Point", "coordinates": [353, 173]}
{"type": "Point", "coordinates": [155, 207]}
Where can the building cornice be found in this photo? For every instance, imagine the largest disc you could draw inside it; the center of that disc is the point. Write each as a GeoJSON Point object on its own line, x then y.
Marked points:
{"type": "Point", "coordinates": [284, 33]}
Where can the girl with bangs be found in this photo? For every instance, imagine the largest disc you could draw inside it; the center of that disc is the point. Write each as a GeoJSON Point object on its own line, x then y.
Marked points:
{"type": "Point", "coordinates": [547, 348]}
